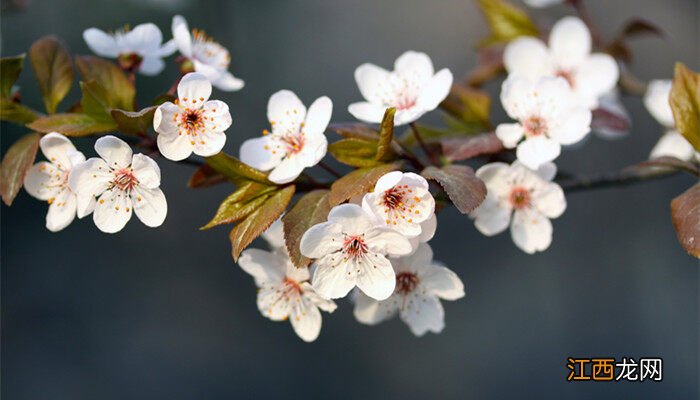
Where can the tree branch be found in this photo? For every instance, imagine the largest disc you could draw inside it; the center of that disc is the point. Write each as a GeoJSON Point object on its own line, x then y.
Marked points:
{"type": "Point", "coordinates": [624, 177]}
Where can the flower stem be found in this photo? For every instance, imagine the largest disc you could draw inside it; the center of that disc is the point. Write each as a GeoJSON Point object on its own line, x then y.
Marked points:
{"type": "Point", "coordinates": [423, 146]}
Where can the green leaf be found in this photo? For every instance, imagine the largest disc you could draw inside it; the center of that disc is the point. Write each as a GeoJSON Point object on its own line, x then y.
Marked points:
{"type": "Point", "coordinates": [205, 176]}
{"type": "Point", "coordinates": [354, 130]}
{"type": "Point", "coordinates": [234, 169]}
{"type": "Point", "coordinates": [506, 22]}
{"type": "Point", "coordinates": [95, 101]}
{"type": "Point", "coordinates": [386, 135]}
{"type": "Point", "coordinates": [72, 124]}
{"type": "Point", "coordinates": [470, 106]}
{"type": "Point", "coordinates": [311, 209]}
{"type": "Point", "coordinates": [133, 122]}
{"type": "Point", "coordinates": [685, 214]}
{"type": "Point", "coordinates": [429, 134]}
{"type": "Point", "coordinates": [355, 152]}
{"type": "Point", "coordinates": [257, 222]}
{"type": "Point", "coordinates": [53, 70]}
{"type": "Point", "coordinates": [357, 182]}
{"type": "Point", "coordinates": [246, 199]}
{"type": "Point", "coordinates": [107, 75]}
{"type": "Point", "coordinates": [18, 159]}
{"type": "Point", "coordinates": [15, 112]}
{"type": "Point", "coordinates": [685, 103]}
{"type": "Point", "coordinates": [460, 183]}
{"type": "Point", "coordinates": [10, 68]}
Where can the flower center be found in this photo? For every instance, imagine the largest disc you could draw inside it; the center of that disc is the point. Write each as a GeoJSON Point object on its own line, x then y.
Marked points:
{"type": "Point", "coordinates": [129, 62]}
{"type": "Point", "coordinates": [566, 75]}
{"type": "Point", "coordinates": [354, 246]}
{"type": "Point", "coordinates": [404, 102]}
{"type": "Point", "coordinates": [291, 286]}
{"type": "Point", "coordinates": [535, 126]}
{"type": "Point", "coordinates": [406, 282]}
{"type": "Point", "coordinates": [293, 142]}
{"type": "Point", "coordinates": [393, 198]}
{"type": "Point", "coordinates": [124, 179]}
{"type": "Point", "coordinates": [520, 197]}
{"type": "Point", "coordinates": [192, 121]}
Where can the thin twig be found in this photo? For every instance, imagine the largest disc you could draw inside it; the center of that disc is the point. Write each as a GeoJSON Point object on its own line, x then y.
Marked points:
{"type": "Point", "coordinates": [422, 145]}
{"type": "Point", "coordinates": [621, 178]}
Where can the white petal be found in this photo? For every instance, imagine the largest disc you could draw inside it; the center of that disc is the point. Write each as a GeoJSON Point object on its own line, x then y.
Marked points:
{"type": "Point", "coordinates": [285, 112]}
{"type": "Point", "coordinates": [570, 41]}
{"type": "Point", "coordinates": [146, 170]}
{"type": "Point", "coordinates": [443, 283]}
{"type": "Point", "coordinates": [517, 97]}
{"type": "Point", "coordinates": [373, 82]}
{"type": "Point", "coordinates": [656, 101]}
{"type": "Point", "coordinates": [85, 205]}
{"type": "Point", "coordinates": [193, 89]}
{"type": "Point", "coordinates": [258, 153]}
{"type": "Point", "coordinates": [150, 205]}
{"type": "Point", "coordinates": [406, 116]}
{"type": "Point", "coordinates": [542, 3]}
{"type": "Point", "coordinates": [209, 143]}
{"type": "Point", "coordinates": [371, 312]}
{"type": "Point", "coordinates": [218, 110]}
{"type": "Point", "coordinates": [168, 48]}
{"type": "Point", "coordinates": [101, 43]}
{"type": "Point", "coordinates": [611, 119]}
{"type": "Point", "coordinates": [332, 281]}
{"type": "Point", "coordinates": [491, 217]}
{"type": "Point", "coordinates": [573, 126]}
{"type": "Point", "coordinates": [227, 82]}
{"type": "Point", "coordinates": [353, 219]}
{"type": "Point", "coordinates": [144, 39]}
{"type": "Point", "coordinates": [673, 144]}
{"type": "Point", "coordinates": [528, 57]}
{"type": "Point", "coordinates": [323, 304]}
{"type": "Point", "coordinates": [273, 303]}
{"type": "Point", "coordinates": [116, 153]}
{"type": "Point", "coordinates": [531, 231]}
{"type": "Point", "coordinates": [264, 266]}
{"type": "Point", "coordinates": [287, 170]}
{"type": "Point", "coordinates": [57, 149]}
{"type": "Point", "coordinates": [428, 228]}
{"type": "Point", "coordinates": [423, 314]}
{"type": "Point", "coordinates": [368, 112]}
{"type": "Point", "coordinates": [596, 76]}
{"type": "Point", "coordinates": [415, 263]}
{"type": "Point", "coordinates": [414, 66]}
{"type": "Point", "coordinates": [510, 134]}
{"type": "Point", "coordinates": [495, 176]}
{"type": "Point", "coordinates": [42, 180]}
{"type": "Point", "coordinates": [388, 241]}
{"type": "Point", "coordinates": [546, 171]}
{"type": "Point", "coordinates": [90, 178]}
{"type": "Point", "coordinates": [388, 181]}
{"type": "Point", "coordinates": [112, 211]}
{"type": "Point", "coordinates": [274, 235]}
{"type": "Point", "coordinates": [174, 146]}
{"type": "Point", "coordinates": [435, 90]}
{"type": "Point", "coordinates": [376, 277]}
{"type": "Point", "coordinates": [164, 119]}
{"type": "Point", "coordinates": [321, 239]}
{"type": "Point", "coordinates": [151, 66]}
{"type": "Point", "coordinates": [181, 35]}
{"type": "Point", "coordinates": [315, 148]}
{"type": "Point", "coordinates": [537, 150]}
{"type": "Point", "coordinates": [61, 211]}
{"type": "Point", "coordinates": [318, 116]}
{"type": "Point", "coordinates": [549, 199]}
{"type": "Point", "coordinates": [306, 320]}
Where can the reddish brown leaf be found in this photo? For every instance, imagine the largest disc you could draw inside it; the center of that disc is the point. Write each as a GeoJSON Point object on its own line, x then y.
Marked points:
{"type": "Point", "coordinates": [463, 148]}
{"type": "Point", "coordinates": [53, 70]}
{"type": "Point", "coordinates": [685, 214]}
{"type": "Point", "coordinates": [311, 209]}
{"type": "Point", "coordinates": [358, 182]}
{"type": "Point", "coordinates": [18, 159]}
{"type": "Point", "coordinates": [460, 183]}
{"type": "Point", "coordinates": [205, 176]}
{"type": "Point", "coordinates": [354, 130]}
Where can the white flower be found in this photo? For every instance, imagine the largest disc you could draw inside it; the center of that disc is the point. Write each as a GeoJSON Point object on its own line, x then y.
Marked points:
{"type": "Point", "coordinates": [420, 284]}
{"type": "Point", "coordinates": [400, 201]}
{"type": "Point", "coordinates": [207, 56]}
{"type": "Point", "coordinates": [569, 56]}
{"type": "Point", "coordinates": [49, 181]}
{"type": "Point", "coordinates": [548, 117]}
{"type": "Point", "coordinates": [296, 141]}
{"type": "Point", "coordinates": [350, 251]}
{"type": "Point", "coordinates": [194, 124]}
{"type": "Point", "coordinates": [274, 235]}
{"type": "Point", "coordinates": [523, 199]}
{"type": "Point", "coordinates": [542, 3]}
{"type": "Point", "coordinates": [285, 292]}
{"type": "Point", "coordinates": [672, 143]}
{"type": "Point", "coordinates": [140, 49]}
{"type": "Point", "coordinates": [123, 184]}
{"type": "Point", "coordinates": [413, 88]}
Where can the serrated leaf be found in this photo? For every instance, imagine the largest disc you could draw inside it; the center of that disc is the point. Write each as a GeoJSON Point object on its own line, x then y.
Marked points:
{"type": "Point", "coordinates": [53, 70]}
{"type": "Point", "coordinates": [355, 130]}
{"type": "Point", "coordinates": [685, 104]}
{"type": "Point", "coordinates": [10, 68]}
{"type": "Point", "coordinates": [205, 176]}
{"type": "Point", "coordinates": [234, 169]}
{"type": "Point", "coordinates": [460, 183]}
{"type": "Point", "coordinates": [72, 124]}
{"type": "Point", "coordinates": [355, 152]}
{"type": "Point", "coordinates": [470, 106]}
{"type": "Point", "coordinates": [464, 148]}
{"type": "Point", "coordinates": [18, 159]}
{"type": "Point", "coordinates": [358, 182]}
{"type": "Point", "coordinates": [134, 122]}
{"type": "Point", "coordinates": [311, 209]}
{"type": "Point", "coordinates": [506, 22]}
{"type": "Point", "coordinates": [15, 112]}
{"type": "Point", "coordinates": [257, 222]}
{"type": "Point", "coordinates": [111, 78]}
{"type": "Point", "coordinates": [685, 214]}
{"type": "Point", "coordinates": [386, 135]}
{"type": "Point", "coordinates": [246, 199]}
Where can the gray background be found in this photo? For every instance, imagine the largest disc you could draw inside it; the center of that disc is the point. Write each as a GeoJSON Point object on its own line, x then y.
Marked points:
{"type": "Point", "coordinates": [165, 313]}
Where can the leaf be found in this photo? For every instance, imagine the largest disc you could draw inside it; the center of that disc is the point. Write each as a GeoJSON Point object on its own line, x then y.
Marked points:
{"type": "Point", "coordinates": [10, 68]}
{"type": "Point", "coordinates": [685, 104]}
{"type": "Point", "coordinates": [358, 182]}
{"type": "Point", "coordinates": [386, 136]}
{"type": "Point", "coordinates": [638, 27]}
{"type": "Point", "coordinates": [355, 130]}
{"type": "Point", "coordinates": [15, 112]}
{"type": "Point", "coordinates": [111, 78]}
{"type": "Point", "coordinates": [464, 148]}
{"type": "Point", "coordinates": [134, 122]}
{"type": "Point", "coordinates": [489, 66]}
{"type": "Point", "coordinates": [460, 183]}
{"type": "Point", "coordinates": [311, 209]}
{"type": "Point", "coordinates": [232, 168]}
{"type": "Point", "coordinates": [53, 70]}
{"type": "Point", "coordinates": [256, 223]}
{"type": "Point", "coordinates": [246, 199]}
{"type": "Point", "coordinates": [610, 119]}
{"type": "Point", "coordinates": [95, 101]}
{"type": "Point", "coordinates": [506, 22]}
{"type": "Point", "coordinates": [470, 106]}
{"type": "Point", "coordinates": [671, 163]}
{"type": "Point", "coordinates": [429, 134]}
{"type": "Point", "coordinates": [18, 159]}
{"type": "Point", "coordinates": [685, 214]}
{"type": "Point", "coordinates": [72, 124]}
{"type": "Point", "coordinates": [205, 176]}
{"type": "Point", "coordinates": [355, 152]}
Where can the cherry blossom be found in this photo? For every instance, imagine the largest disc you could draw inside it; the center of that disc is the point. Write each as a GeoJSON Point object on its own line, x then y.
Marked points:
{"type": "Point", "coordinates": [285, 292]}
{"type": "Point", "coordinates": [123, 183]}
{"type": "Point", "coordinates": [48, 181]}
{"type": "Point", "coordinates": [672, 143]}
{"type": "Point", "coordinates": [208, 57]}
{"type": "Point", "coordinates": [350, 251]}
{"type": "Point", "coordinates": [569, 56]}
{"type": "Point", "coordinates": [413, 88]}
{"type": "Point", "coordinates": [548, 117]}
{"type": "Point", "coordinates": [140, 49]}
{"type": "Point", "coordinates": [193, 123]}
{"type": "Point", "coordinates": [420, 284]}
{"type": "Point", "coordinates": [297, 140]}
{"type": "Point", "coordinates": [522, 198]}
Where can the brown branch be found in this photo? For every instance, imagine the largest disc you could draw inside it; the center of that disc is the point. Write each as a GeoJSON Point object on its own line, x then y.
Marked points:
{"type": "Point", "coordinates": [625, 177]}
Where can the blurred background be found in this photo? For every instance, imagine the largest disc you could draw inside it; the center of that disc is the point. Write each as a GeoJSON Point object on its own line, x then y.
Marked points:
{"type": "Point", "coordinates": [165, 313]}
